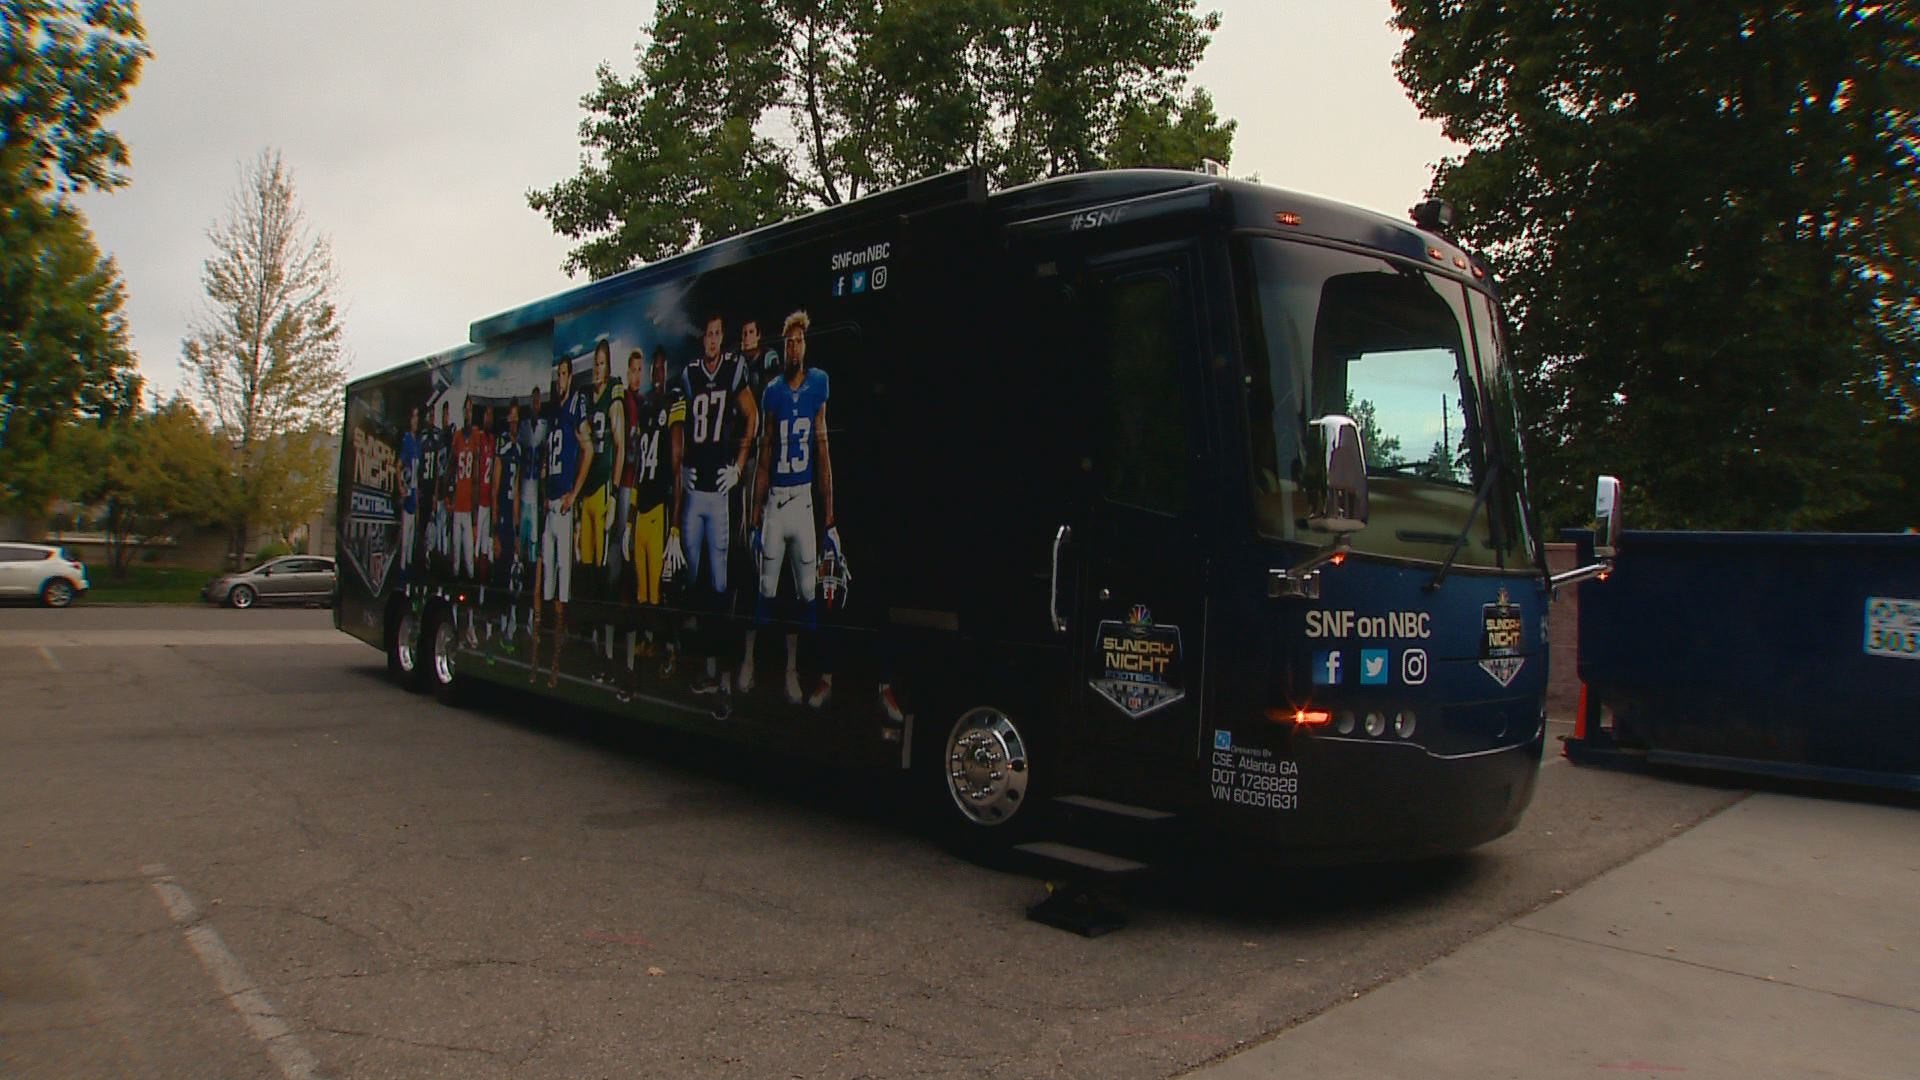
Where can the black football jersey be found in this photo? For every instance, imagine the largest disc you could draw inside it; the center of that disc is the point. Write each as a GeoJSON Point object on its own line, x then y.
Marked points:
{"type": "Point", "coordinates": [713, 421]}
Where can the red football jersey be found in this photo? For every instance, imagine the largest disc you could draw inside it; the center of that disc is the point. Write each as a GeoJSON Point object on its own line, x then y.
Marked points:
{"type": "Point", "coordinates": [462, 472]}
{"type": "Point", "coordinates": [483, 465]}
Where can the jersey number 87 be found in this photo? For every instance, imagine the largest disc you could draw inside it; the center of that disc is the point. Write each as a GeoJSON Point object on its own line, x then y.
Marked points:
{"type": "Point", "coordinates": [709, 409]}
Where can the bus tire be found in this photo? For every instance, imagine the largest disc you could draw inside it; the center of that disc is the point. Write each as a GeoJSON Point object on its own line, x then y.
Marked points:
{"type": "Point", "coordinates": [404, 647]}
{"type": "Point", "coordinates": [984, 790]}
{"type": "Point", "coordinates": [439, 656]}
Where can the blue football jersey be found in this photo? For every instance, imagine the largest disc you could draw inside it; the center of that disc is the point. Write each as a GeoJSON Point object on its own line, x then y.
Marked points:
{"type": "Point", "coordinates": [787, 416]}
{"type": "Point", "coordinates": [563, 444]}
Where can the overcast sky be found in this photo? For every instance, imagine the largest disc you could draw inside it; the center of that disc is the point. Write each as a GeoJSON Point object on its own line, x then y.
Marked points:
{"type": "Point", "coordinates": [415, 129]}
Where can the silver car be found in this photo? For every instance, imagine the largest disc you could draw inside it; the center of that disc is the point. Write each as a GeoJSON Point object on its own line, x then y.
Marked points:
{"type": "Point", "coordinates": [293, 579]}
{"type": "Point", "coordinates": [39, 570]}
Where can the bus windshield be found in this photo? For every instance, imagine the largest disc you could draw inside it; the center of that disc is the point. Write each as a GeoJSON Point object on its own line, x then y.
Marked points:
{"type": "Point", "coordinates": [1394, 347]}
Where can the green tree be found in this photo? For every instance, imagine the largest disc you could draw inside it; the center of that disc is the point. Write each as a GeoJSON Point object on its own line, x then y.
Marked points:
{"type": "Point", "coordinates": [141, 474]}
{"type": "Point", "coordinates": [1382, 450]}
{"type": "Point", "coordinates": [264, 353]}
{"type": "Point", "coordinates": [744, 112]}
{"type": "Point", "coordinates": [64, 65]}
{"type": "Point", "coordinates": [1704, 217]}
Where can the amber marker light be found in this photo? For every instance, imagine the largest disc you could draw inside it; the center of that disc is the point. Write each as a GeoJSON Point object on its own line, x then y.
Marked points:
{"type": "Point", "coordinates": [1306, 718]}
{"type": "Point", "coordinates": [1436, 254]}
{"type": "Point", "coordinates": [1288, 218]}
{"type": "Point", "coordinates": [1338, 558]}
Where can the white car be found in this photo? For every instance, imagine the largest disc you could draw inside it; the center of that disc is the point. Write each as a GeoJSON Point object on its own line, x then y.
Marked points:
{"type": "Point", "coordinates": [38, 570]}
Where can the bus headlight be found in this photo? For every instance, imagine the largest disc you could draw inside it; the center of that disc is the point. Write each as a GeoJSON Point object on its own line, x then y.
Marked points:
{"type": "Point", "coordinates": [1343, 723]}
{"type": "Point", "coordinates": [1376, 724]}
{"type": "Point", "coordinates": [1404, 723]}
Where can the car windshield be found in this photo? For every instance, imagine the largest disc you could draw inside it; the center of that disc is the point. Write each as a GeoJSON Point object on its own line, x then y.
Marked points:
{"type": "Point", "coordinates": [1391, 346]}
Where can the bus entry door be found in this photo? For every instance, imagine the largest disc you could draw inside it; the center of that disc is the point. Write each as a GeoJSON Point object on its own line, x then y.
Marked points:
{"type": "Point", "coordinates": [1137, 621]}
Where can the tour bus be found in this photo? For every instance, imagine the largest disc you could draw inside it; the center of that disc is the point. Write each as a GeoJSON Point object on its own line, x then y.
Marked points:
{"type": "Point", "coordinates": [1147, 494]}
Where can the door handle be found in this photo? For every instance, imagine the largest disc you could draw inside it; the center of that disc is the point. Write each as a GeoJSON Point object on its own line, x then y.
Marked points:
{"type": "Point", "coordinates": [1060, 539]}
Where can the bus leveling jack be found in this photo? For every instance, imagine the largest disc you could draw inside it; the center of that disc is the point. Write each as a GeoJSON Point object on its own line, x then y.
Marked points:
{"type": "Point", "coordinates": [1076, 905]}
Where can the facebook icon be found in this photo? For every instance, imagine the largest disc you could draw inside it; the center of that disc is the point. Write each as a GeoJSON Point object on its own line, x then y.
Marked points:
{"type": "Point", "coordinates": [1326, 668]}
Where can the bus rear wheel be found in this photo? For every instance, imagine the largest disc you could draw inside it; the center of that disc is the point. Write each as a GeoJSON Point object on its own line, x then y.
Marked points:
{"type": "Point", "coordinates": [986, 776]}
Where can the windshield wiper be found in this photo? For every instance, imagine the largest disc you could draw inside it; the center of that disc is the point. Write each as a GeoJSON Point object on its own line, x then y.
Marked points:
{"type": "Point", "coordinates": [1479, 498]}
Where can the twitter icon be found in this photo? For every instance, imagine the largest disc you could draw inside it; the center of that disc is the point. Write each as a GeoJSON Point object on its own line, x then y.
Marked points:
{"type": "Point", "coordinates": [1373, 667]}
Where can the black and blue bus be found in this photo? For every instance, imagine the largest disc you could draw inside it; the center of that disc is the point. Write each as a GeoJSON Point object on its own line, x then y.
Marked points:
{"type": "Point", "coordinates": [1140, 493]}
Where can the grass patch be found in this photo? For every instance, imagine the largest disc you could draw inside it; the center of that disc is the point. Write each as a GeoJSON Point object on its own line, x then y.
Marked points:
{"type": "Point", "coordinates": [147, 585]}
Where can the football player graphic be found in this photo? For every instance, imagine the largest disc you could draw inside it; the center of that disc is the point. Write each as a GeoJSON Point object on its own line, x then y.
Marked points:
{"type": "Point", "coordinates": [568, 456]}
{"type": "Point", "coordinates": [763, 364]}
{"type": "Point", "coordinates": [503, 547]}
{"type": "Point", "coordinates": [593, 525]}
{"type": "Point", "coordinates": [443, 486]}
{"type": "Point", "coordinates": [722, 419]}
{"type": "Point", "coordinates": [504, 556]}
{"type": "Point", "coordinates": [533, 453]}
{"type": "Point", "coordinates": [463, 493]}
{"type": "Point", "coordinates": [429, 487]}
{"type": "Point", "coordinates": [606, 420]}
{"type": "Point", "coordinates": [793, 456]}
{"type": "Point", "coordinates": [655, 422]}
{"type": "Point", "coordinates": [409, 488]}
{"type": "Point", "coordinates": [484, 447]}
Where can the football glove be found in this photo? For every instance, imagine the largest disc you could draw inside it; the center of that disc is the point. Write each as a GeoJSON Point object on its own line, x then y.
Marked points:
{"type": "Point", "coordinates": [729, 477]}
{"type": "Point", "coordinates": [833, 547]}
{"type": "Point", "coordinates": [673, 560]}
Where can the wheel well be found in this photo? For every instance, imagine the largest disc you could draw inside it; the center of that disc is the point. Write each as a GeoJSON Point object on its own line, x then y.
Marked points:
{"type": "Point", "coordinates": [396, 606]}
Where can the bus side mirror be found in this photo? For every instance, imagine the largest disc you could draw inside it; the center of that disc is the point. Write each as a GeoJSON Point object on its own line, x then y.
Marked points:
{"type": "Point", "coordinates": [1334, 481]}
{"type": "Point", "coordinates": [1606, 518]}
{"type": "Point", "coordinates": [1606, 536]}
{"type": "Point", "coordinates": [1336, 475]}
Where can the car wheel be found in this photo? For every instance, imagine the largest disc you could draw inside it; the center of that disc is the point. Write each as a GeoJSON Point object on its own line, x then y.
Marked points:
{"type": "Point", "coordinates": [241, 596]}
{"type": "Point", "coordinates": [404, 648]}
{"type": "Point", "coordinates": [57, 593]}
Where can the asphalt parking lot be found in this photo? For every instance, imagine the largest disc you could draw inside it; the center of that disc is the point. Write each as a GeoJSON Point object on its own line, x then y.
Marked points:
{"type": "Point", "coordinates": [232, 849]}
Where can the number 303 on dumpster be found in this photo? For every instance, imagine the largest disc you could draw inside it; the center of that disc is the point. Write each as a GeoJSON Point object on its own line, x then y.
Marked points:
{"type": "Point", "coordinates": [1893, 628]}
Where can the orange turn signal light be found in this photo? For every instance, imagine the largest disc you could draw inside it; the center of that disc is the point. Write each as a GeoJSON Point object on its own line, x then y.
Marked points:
{"type": "Point", "coordinates": [1301, 717]}
{"type": "Point", "coordinates": [1287, 217]}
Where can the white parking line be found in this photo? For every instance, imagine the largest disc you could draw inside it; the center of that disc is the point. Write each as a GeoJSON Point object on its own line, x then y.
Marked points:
{"type": "Point", "coordinates": [47, 655]}
{"type": "Point", "coordinates": [287, 1053]}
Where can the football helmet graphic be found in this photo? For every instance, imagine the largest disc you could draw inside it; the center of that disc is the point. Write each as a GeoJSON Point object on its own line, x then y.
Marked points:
{"type": "Point", "coordinates": [835, 577]}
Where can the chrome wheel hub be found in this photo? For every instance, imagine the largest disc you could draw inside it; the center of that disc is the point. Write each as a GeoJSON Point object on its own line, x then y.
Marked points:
{"type": "Point", "coordinates": [407, 642]}
{"type": "Point", "coordinates": [987, 767]}
{"type": "Point", "coordinates": [443, 651]}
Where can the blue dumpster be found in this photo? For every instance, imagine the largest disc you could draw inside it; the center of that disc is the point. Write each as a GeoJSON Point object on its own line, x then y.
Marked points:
{"type": "Point", "coordinates": [1789, 654]}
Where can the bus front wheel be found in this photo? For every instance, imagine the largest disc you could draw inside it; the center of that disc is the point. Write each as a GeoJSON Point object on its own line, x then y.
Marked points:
{"type": "Point", "coordinates": [439, 656]}
{"type": "Point", "coordinates": [986, 772]}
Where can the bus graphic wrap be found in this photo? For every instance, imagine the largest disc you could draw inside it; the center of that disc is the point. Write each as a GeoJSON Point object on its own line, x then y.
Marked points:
{"type": "Point", "coordinates": [1059, 434]}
